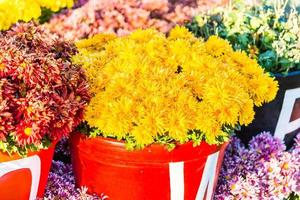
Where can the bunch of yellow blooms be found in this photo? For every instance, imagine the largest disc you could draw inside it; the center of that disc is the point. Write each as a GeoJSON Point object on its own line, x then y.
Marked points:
{"type": "Point", "coordinates": [146, 85]}
{"type": "Point", "coordinates": [11, 11]}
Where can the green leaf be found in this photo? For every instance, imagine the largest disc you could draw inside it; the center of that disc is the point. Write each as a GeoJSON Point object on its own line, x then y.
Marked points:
{"type": "Point", "coordinates": [286, 62]}
{"type": "Point", "coordinates": [243, 41]}
{"type": "Point", "coordinates": [268, 60]}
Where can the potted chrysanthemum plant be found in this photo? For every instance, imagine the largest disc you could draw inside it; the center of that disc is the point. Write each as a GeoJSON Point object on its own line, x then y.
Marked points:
{"type": "Point", "coordinates": [268, 32]}
{"type": "Point", "coordinates": [42, 98]}
{"type": "Point", "coordinates": [161, 112]}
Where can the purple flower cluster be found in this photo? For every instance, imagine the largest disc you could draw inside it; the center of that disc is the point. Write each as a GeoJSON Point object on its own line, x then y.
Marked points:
{"type": "Point", "coordinates": [61, 185]}
{"type": "Point", "coordinates": [264, 170]}
{"type": "Point", "coordinates": [62, 151]}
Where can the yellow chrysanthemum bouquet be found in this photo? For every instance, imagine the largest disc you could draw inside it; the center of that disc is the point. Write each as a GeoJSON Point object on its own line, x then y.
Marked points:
{"type": "Point", "coordinates": [11, 11]}
{"type": "Point", "coordinates": [151, 88]}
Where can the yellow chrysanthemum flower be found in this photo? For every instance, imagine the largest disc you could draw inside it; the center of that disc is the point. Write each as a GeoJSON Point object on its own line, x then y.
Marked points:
{"type": "Point", "coordinates": [11, 11]}
{"type": "Point", "coordinates": [217, 47]}
{"type": "Point", "coordinates": [180, 32]}
{"type": "Point", "coordinates": [95, 44]}
{"type": "Point", "coordinates": [146, 86]}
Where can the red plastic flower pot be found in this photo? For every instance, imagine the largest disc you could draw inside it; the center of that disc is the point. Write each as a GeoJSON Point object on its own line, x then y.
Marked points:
{"type": "Point", "coordinates": [185, 173]}
{"type": "Point", "coordinates": [25, 178]}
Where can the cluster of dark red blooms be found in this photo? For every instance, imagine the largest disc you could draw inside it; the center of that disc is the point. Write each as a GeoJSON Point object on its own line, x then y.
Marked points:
{"type": "Point", "coordinates": [42, 95]}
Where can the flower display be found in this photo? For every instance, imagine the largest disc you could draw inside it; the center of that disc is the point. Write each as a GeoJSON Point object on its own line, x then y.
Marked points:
{"type": "Point", "coordinates": [11, 11]}
{"type": "Point", "coordinates": [123, 16]}
{"type": "Point", "coordinates": [267, 32]}
{"type": "Point", "coordinates": [61, 185]}
{"type": "Point", "coordinates": [42, 95]}
{"type": "Point", "coordinates": [262, 171]}
{"type": "Point", "coordinates": [149, 88]}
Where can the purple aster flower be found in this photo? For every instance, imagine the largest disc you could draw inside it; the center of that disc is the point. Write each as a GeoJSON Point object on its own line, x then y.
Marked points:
{"type": "Point", "coordinates": [262, 171]}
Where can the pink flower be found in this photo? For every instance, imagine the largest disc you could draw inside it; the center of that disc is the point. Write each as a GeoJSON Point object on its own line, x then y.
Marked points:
{"type": "Point", "coordinates": [124, 16]}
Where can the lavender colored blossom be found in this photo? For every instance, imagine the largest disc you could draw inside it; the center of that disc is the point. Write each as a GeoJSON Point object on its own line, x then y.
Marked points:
{"type": "Point", "coordinates": [62, 147]}
{"type": "Point", "coordinates": [62, 151]}
{"type": "Point", "coordinates": [61, 185]}
{"type": "Point", "coordinates": [265, 146]}
{"type": "Point", "coordinates": [262, 171]}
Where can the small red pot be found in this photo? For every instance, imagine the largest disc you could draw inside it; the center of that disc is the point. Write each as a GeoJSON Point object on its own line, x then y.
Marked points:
{"type": "Point", "coordinates": [185, 173]}
{"type": "Point", "coordinates": [25, 178]}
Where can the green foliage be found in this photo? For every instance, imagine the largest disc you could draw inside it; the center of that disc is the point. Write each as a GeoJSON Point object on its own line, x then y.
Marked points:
{"type": "Point", "coordinates": [293, 196]}
{"type": "Point", "coordinates": [11, 147]}
{"type": "Point", "coordinates": [267, 59]}
{"type": "Point", "coordinates": [266, 32]}
{"type": "Point", "coordinates": [46, 15]}
{"type": "Point", "coordinates": [195, 136]}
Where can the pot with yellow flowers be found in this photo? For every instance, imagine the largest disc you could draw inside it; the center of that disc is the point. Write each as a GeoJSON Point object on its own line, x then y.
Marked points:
{"type": "Point", "coordinates": [42, 96]}
{"type": "Point", "coordinates": [162, 111]}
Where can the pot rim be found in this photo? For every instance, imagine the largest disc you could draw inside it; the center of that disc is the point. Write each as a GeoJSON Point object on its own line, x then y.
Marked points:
{"type": "Point", "coordinates": [5, 157]}
{"type": "Point", "coordinates": [294, 73]}
{"type": "Point", "coordinates": [100, 148]}
{"type": "Point", "coordinates": [122, 143]}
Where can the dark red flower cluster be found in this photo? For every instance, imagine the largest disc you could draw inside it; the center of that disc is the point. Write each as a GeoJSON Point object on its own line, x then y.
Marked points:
{"type": "Point", "coordinates": [42, 95]}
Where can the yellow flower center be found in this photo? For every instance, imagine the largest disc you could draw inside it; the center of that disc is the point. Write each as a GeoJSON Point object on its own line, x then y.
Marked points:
{"type": "Point", "coordinates": [23, 65]}
{"type": "Point", "coordinates": [270, 169]}
{"type": "Point", "coordinates": [233, 187]}
{"type": "Point", "coordinates": [78, 98]}
{"type": "Point", "coordinates": [29, 109]}
{"type": "Point", "coordinates": [28, 131]}
{"type": "Point", "coordinates": [2, 66]}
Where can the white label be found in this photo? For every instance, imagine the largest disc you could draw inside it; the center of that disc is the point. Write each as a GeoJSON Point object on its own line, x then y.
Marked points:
{"type": "Point", "coordinates": [284, 126]}
{"type": "Point", "coordinates": [177, 180]}
{"type": "Point", "coordinates": [33, 163]}
{"type": "Point", "coordinates": [207, 181]}
{"type": "Point", "coordinates": [208, 177]}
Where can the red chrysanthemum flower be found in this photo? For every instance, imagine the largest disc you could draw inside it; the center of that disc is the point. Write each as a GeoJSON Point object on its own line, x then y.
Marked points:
{"type": "Point", "coordinates": [6, 120]}
{"type": "Point", "coordinates": [42, 95]}
{"type": "Point", "coordinates": [27, 133]}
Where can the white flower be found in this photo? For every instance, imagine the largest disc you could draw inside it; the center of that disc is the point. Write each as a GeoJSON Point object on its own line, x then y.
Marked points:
{"type": "Point", "coordinates": [255, 22]}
